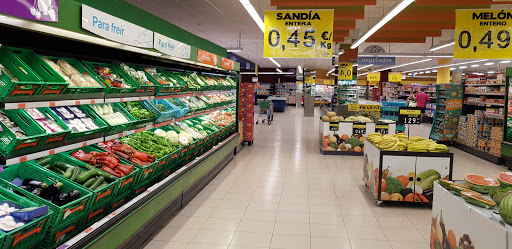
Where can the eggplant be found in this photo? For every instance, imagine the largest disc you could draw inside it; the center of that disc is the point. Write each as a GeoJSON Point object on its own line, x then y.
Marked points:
{"type": "Point", "coordinates": [37, 191]}
{"type": "Point", "coordinates": [60, 199]}
{"type": "Point", "coordinates": [51, 191]}
{"type": "Point", "coordinates": [34, 183]}
{"type": "Point", "coordinates": [74, 195]}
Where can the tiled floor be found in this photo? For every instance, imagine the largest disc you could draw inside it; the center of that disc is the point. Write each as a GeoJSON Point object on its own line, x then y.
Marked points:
{"type": "Point", "coordinates": [282, 193]}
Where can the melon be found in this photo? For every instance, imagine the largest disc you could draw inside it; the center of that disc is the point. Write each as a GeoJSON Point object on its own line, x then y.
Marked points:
{"type": "Point", "coordinates": [481, 184]}
{"type": "Point", "coordinates": [505, 179]}
{"type": "Point", "coordinates": [445, 183]}
{"type": "Point", "coordinates": [506, 209]}
{"type": "Point", "coordinates": [477, 200]}
{"type": "Point", "coordinates": [331, 114]}
{"type": "Point", "coordinates": [457, 189]}
{"type": "Point", "coordinates": [500, 194]}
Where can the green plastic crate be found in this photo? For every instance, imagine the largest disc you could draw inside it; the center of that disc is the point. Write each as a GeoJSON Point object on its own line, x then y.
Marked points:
{"type": "Point", "coordinates": [142, 87]}
{"type": "Point", "coordinates": [29, 234]}
{"type": "Point", "coordinates": [53, 137]}
{"type": "Point", "coordinates": [124, 183]}
{"type": "Point", "coordinates": [139, 123]}
{"type": "Point", "coordinates": [9, 143]}
{"type": "Point", "coordinates": [102, 125]}
{"type": "Point", "coordinates": [28, 82]}
{"type": "Point", "coordinates": [93, 215]}
{"type": "Point", "coordinates": [117, 128]}
{"type": "Point", "coordinates": [54, 83]}
{"type": "Point", "coordinates": [56, 235]}
{"type": "Point", "coordinates": [62, 215]}
{"type": "Point", "coordinates": [183, 84]}
{"type": "Point", "coordinates": [110, 89]}
{"type": "Point", "coordinates": [118, 202]}
{"type": "Point", "coordinates": [99, 197]}
{"type": "Point", "coordinates": [166, 88]}
{"type": "Point", "coordinates": [84, 70]}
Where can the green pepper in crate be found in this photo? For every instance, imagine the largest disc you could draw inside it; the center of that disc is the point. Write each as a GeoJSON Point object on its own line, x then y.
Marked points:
{"type": "Point", "coordinates": [137, 110]}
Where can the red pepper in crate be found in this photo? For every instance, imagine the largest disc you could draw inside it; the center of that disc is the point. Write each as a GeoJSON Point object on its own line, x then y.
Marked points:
{"type": "Point", "coordinates": [127, 152]}
{"type": "Point", "coordinates": [106, 161]}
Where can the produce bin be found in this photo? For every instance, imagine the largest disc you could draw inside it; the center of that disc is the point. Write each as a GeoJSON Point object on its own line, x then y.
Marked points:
{"type": "Point", "coordinates": [93, 215]}
{"type": "Point", "coordinates": [99, 197]}
{"type": "Point", "coordinates": [141, 87]}
{"type": "Point", "coordinates": [139, 123]}
{"type": "Point", "coordinates": [162, 116]}
{"type": "Point", "coordinates": [84, 70]}
{"type": "Point", "coordinates": [184, 84]}
{"type": "Point", "coordinates": [9, 143]}
{"type": "Point", "coordinates": [62, 215]}
{"type": "Point", "coordinates": [54, 136]}
{"type": "Point", "coordinates": [182, 108]}
{"type": "Point", "coordinates": [56, 235]}
{"type": "Point", "coordinates": [28, 82]}
{"type": "Point", "coordinates": [164, 87]}
{"type": "Point", "coordinates": [133, 87]}
{"type": "Point", "coordinates": [139, 189]}
{"type": "Point", "coordinates": [118, 202]}
{"type": "Point", "coordinates": [124, 183]}
{"type": "Point", "coordinates": [29, 234]}
{"type": "Point", "coordinates": [101, 125]}
{"type": "Point", "coordinates": [54, 83]}
{"type": "Point", "coordinates": [116, 128]}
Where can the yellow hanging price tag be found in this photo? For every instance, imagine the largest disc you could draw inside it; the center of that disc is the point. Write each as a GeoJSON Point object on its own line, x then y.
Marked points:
{"type": "Point", "coordinates": [345, 71]}
{"type": "Point", "coordinates": [373, 76]}
{"type": "Point", "coordinates": [395, 77]}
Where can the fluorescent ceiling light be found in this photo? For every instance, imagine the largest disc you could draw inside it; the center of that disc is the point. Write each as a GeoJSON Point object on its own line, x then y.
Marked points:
{"type": "Point", "coordinates": [403, 65]}
{"type": "Point", "coordinates": [475, 73]}
{"type": "Point", "coordinates": [421, 72]}
{"type": "Point", "coordinates": [475, 65]}
{"type": "Point", "coordinates": [274, 61]}
{"type": "Point", "coordinates": [342, 51]}
{"type": "Point", "coordinates": [442, 44]}
{"type": "Point", "coordinates": [363, 67]}
{"type": "Point", "coordinates": [489, 63]}
{"type": "Point", "coordinates": [234, 50]}
{"type": "Point", "coordinates": [330, 71]}
{"type": "Point", "coordinates": [446, 65]}
{"type": "Point", "coordinates": [434, 71]}
{"type": "Point", "coordinates": [463, 74]}
{"type": "Point", "coordinates": [279, 70]}
{"type": "Point", "coordinates": [355, 65]}
{"type": "Point", "coordinates": [504, 62]}
{"type": "Point", "coordinates": [427, 71]}
{"type": "Point", "coordinates": [253, 13]}
{"type": "Point", "coordinates": [490, 72]}
{"type": "Point", "coordinates": [451, 69]}
{"type": "Point", "coordinates": [394, 11]}
{"type": "Point", "coordinates": [408, 55]}
{"type": "Point", "coordinates": [462, 67]}
{"type": "Point", "coordinates": [300, 69]}
{"type": "Point", "coordinates": [362, 74]}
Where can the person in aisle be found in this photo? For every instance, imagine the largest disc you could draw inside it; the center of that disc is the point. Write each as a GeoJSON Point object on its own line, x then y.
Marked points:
{"type": "Point", "coordinates": [421, 101]}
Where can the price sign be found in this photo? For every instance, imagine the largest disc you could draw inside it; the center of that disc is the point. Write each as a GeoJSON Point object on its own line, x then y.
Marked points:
{"type": "Point", "coordinates": [298, 33]}
{"type": "Point", "coordinates": [382, 129]}
{"type": "Point", "coordinates": [334, 126]}
{"type": "Point", "coordinates": [409, 115]}
{"type": "Point", "coordinates": [359, 128]}
{"type": "Point", "coordinates": [373, 76]}
{"type": "Point", "coordinates": [483, 34]}
{"type": "Point", "coordinates": [345, 71]}
{"type": "Point", "coordinates": [353, 107]}
{"type": "Point", "coordinates": [370, 108]}
{"type": "Point", "coordinates": [395, 77]}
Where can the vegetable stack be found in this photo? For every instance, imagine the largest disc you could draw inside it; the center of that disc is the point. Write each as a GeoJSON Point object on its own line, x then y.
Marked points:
{"type": "Point", "coordinates": [106, 161]}
{"type": "Point", "coordinates": [127, 152]}
{"type": "Point", "coordinates": [150, 143]}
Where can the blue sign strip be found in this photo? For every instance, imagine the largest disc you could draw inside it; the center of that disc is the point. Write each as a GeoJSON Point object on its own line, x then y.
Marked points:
{"type": "Point", "coordinates": [378, 61]}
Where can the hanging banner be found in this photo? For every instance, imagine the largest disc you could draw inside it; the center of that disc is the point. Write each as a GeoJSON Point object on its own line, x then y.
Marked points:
{"type": "Point", "coordinates": [373, 76]}
{"type": "Point", "coordinates": [353, 107]}
{"type": "Point", "coordinates": [298, 33]}
{"type": "Point", "coordinates": [42, 10]}
{"type": "Point", "coordinates": [345, 71]}
{"type": "Point", "coordinates": [115, 29]}
{"type": "Point", "coordinates": [227, 63]}
{"type": "Point", "coordinates": [395, 77]}
{"type": "Point", "coordinates": [171, 47]}
{"type": "Point", "coordinates": [376, 61]}
{"type": "Point", "coordinates": [207, 58]}
{"type": "Point", "coordinates": [483, 34]}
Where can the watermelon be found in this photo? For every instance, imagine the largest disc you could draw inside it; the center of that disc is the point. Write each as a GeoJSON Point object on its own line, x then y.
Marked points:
{"type": "Point", "coordinates": [445, 183]}
{"type": "Point", "coordinates": [500, 194]}
{"type": "Point", "coordinates": [505, 179]}
{"type": "Point", "coordinates": [506, 209]}
{"type": "Point", "coordinates": [481, 184]}
{"type": "Point", "coordinates": [457, 189]}
{"type": "Point", "coordinates": [477, 200]}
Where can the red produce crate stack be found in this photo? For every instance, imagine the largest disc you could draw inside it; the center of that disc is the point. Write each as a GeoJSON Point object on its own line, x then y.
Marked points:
{"type": "Point", "coordinates": [247, 110]}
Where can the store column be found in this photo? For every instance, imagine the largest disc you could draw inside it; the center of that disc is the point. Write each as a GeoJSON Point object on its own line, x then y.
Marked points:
{"type": "Point", "coordinates": [443, 73]}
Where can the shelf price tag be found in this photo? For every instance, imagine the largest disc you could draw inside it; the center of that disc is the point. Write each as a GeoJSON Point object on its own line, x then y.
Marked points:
{"type": "Point", "coordinates": [298, 33]}
{"type": "Point", "coordinates": [409, 115]}
{"type": "Point", "coordinates": [382, 129]}
{"type": "Point", "coordinates": [373, 77]}
{"type": "Point", "coordinates": [483, 34]}
{"type": "Point", "coordinates": [353, 107]}
{"type": "Point", "coordinates": [359, 128]}
{"type": "Point", "coordinates": [345, 71]}
{"type": "Point", "coordinates": [334, 126]}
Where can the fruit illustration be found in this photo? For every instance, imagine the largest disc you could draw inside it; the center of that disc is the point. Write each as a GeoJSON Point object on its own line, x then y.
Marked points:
{"type": "Point", "coordinates": [452, 239]}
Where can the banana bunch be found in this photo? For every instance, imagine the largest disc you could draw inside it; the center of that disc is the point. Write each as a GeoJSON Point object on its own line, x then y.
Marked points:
{"type": "Point", "coordinates": [420, 145]}
{"type": "Point", "coordinates": [375, 138]}
{"type": "Point", "coordinates": [438, 148]}
{"type": "Point", "coordinates": [418, 139]}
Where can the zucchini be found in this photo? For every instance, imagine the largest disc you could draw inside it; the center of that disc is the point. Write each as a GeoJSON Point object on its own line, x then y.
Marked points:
{"type": "Point", "coordinates": [102, 185]}
{"type": "Point", "coordinates": [89, 182]}
{"type": "Point", "coordinates": [102, 173]}
{"type": "Point", "coordinates": [84, 176]}
{"type": "Point", "coordinates": [44, 161]}
{"type": "Point", "coordinates": [68, 173]}
{"type": "Point", "coordinates": [62, 165]}
{"type": "Point", "coordinates": [97, 183]}
{"type": "Point", "coordinates": [56, 170]}
{"type": "Point", "coordinates": [76, 171]}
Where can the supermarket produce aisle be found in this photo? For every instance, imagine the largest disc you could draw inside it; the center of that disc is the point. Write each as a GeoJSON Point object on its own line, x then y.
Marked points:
{"type": "Point", "coordinates": [282, 193]}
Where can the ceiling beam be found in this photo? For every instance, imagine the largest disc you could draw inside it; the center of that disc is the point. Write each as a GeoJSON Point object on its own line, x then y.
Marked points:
{"type": "Point", "coordinates": [397, 39]}
{"type": "Point", "coordinates": [344, 24]}
{"type": "Point", "coordinates": [342, 32]}
{"type": "Point", "coordinates": [458, 2]}
{"type": "Point", "coordinates": [322, 2]}
{"type": "Point", "coordinates": [408, 33]}
{"type": "Point", "coordinates": [445, 12]}
{"type": "Point", "coordinates": [340, 13]}
{"type": "Point", "coordinates": [419, 24]}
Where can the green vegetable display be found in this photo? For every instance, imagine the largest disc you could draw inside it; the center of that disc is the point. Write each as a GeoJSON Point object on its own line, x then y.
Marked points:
{"type": "Point", "coordinates": [150, 143]}
{"type": "Point", "coordinates": [137, 110]}
{"type": "Point", "coordinates": [393, 185]}
{"type": "Point", "coordinates": [161, 108]}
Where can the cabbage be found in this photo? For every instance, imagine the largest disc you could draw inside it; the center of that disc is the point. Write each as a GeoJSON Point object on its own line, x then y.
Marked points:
{"type": "Point", "coordinates": [160, 133]}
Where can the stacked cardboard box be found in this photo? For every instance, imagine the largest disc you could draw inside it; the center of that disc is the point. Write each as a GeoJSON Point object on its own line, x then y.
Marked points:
{"type": "Point", "coordinates": [484, 134]}
{"type": "Point", "coordinates": [495, 141]}
{"type": "Point", "coordinates": [247, 110]}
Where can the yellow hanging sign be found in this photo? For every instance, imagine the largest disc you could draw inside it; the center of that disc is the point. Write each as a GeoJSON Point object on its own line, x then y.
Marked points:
{"type": "Point", "coordinates": [345, 71]}
{"type": "Point", "coordinates": [373, 76]}
{"type": "Point", "coordinates": [483, 34]}
{"type": "Point", "coordinates": [395, 77]}
{"type": "Point", "coordinates": [298, 33]}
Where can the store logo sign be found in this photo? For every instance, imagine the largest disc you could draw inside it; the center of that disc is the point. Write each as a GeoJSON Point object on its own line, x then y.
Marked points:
{"type": "Point", "coordinates": [115, 29]}
{"type": "Point", "coordinates": [377, 61]}
{"type": "Point", "coordinates": [171, 47]}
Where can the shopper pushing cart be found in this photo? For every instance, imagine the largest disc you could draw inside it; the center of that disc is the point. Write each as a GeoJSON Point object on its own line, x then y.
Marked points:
{"type": "Point", "coordinates": [266, 108]}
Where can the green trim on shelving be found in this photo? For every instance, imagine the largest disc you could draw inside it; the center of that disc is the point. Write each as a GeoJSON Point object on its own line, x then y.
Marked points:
{"type": "Point", "coordinates": [119, 233]}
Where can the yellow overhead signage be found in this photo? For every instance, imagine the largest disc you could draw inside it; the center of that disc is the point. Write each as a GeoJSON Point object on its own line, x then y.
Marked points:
{"type": "Point", "coordinates": [373, 76]}
{"type": "Point", "coordinates": [483, 34]}
{"type": "Point", "coordinates": [395, 77]}
{"type": "Point", "coordinates": [298, 33]}
{"type": "Point", "coordinates": [345, 71]}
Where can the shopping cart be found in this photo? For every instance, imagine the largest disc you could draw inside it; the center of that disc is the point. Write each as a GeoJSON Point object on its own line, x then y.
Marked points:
{"type": "Point", "coordinates": [266, 108]}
